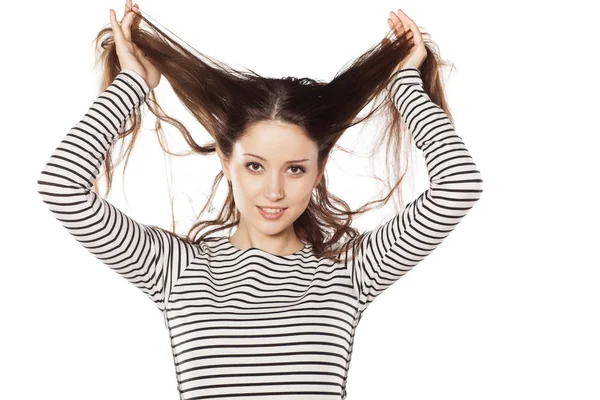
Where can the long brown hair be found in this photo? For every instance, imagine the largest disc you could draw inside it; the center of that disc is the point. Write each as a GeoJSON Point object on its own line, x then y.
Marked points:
{"type": "Point", "coordinates": [225, 101]}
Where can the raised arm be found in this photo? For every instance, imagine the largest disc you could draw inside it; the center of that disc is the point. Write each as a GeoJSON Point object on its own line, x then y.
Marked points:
{"type": "Point", "coordinates": [146, 256]}
{"type": "Point", "coordinates": [391, 250]}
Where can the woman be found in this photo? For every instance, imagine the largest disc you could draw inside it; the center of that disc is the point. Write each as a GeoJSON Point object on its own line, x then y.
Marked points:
{"type": "Point", "coordinates": [272, 309]}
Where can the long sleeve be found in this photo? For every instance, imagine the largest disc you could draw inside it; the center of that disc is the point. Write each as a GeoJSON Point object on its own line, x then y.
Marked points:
{"type": "Point", "coordinates": [148, 257]}
{"type": "Point", "coordinates": [391, 250]}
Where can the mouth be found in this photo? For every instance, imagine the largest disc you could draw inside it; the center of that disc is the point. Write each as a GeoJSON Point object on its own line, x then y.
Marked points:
{"type": "Point", "coordinates": [271, 213]}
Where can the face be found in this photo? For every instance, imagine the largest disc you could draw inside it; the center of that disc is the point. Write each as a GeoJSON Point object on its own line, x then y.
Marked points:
{"type": "Point", "coordinates": [274, 164]}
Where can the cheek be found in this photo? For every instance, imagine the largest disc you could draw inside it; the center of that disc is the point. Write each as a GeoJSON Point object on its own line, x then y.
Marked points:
{"type": "Point", "coordinates": [307, 193]}
{"type": "Point", "coordinates": [246, 191]}
{"type": "Point", "coordinates": [301, 196]}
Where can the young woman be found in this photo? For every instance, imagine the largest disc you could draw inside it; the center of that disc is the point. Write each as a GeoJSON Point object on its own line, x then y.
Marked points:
{"type": "Point", "coordinates": [270, 311]}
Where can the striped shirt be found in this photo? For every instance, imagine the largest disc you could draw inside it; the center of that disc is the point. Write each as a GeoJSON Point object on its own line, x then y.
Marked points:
{"type": "Point", "coordinates": [247, 323]}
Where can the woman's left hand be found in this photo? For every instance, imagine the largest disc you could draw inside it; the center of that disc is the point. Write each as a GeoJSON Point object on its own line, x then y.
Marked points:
{"type": "Point", "coordinates": [400, 24]}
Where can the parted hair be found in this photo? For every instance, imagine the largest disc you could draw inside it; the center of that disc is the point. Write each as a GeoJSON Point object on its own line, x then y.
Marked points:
{"type": "Point", "coordinates": [225, 101]}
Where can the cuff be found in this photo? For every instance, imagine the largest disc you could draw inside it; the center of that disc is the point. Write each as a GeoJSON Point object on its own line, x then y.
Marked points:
{"type": "Point", "coordinates": [136, 82]}
{"type": "Point", "coordinates": [404, 76]}
{"type": "Point", "coordinates": [407, 75]}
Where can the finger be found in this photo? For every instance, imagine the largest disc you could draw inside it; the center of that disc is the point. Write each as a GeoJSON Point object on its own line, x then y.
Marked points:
{"type": "Point", "coordinates": [395, 28]}
{"type": "Point", "coordinates": [126, 24]}
{"type": "Point", "coordinates": [397, 22]}
{"type": "Point", "coordinates": [138, 17]}
{"type": "Point", "coordinates": [127, 7]}
{"type": "Point", "coordinates": [404, 24]}
{"type": "Point", "coordinates": [411, 24]}
{"type": "Point", "coordinates": [116, 28]}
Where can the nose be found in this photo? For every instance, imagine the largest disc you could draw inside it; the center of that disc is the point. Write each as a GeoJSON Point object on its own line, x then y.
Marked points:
{"type": "Point", "coordinates": [274, 188]}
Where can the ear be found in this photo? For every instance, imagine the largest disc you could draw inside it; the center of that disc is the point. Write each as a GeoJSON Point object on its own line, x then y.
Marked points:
{"type": "Point", "coordinates": [318, 180]}
{"type": "Point", "coordinates": [224, 163]}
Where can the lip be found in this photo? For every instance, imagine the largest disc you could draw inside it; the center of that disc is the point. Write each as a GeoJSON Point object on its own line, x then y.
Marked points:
{"type": "Point", "coordinates": [271, 217]}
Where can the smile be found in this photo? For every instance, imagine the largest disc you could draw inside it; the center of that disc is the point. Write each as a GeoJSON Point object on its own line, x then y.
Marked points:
{"type": "Point", "coordinates": [271, 213]}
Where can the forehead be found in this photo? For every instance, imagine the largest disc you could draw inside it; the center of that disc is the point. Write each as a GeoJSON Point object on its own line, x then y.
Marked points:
{"type": "Point", "coordinates": [275, 140]}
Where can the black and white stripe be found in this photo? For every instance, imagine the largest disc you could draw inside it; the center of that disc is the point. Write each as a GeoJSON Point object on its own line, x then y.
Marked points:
{"type": "Point", "coordinates": [392, 249]}
{"type": "Point", "coordinates": [247, 323]}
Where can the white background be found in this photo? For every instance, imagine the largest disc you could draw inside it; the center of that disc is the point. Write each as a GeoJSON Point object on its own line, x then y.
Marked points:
{"type": "Point", "coordinates": [505, 308]}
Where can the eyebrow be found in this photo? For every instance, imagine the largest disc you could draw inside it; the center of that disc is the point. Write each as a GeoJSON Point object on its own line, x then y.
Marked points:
{"type": "Point", "coordinates": [291, 161]}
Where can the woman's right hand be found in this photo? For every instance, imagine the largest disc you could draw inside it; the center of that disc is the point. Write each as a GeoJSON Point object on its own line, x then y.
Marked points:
{"type": "Point", "coordinates": [130, 56]}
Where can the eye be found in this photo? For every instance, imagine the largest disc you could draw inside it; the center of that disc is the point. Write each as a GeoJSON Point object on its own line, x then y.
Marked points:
{"type": "Point", "coordinates": [301, 169]}
{"type": "Point", "coordinates": [251, 163]}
